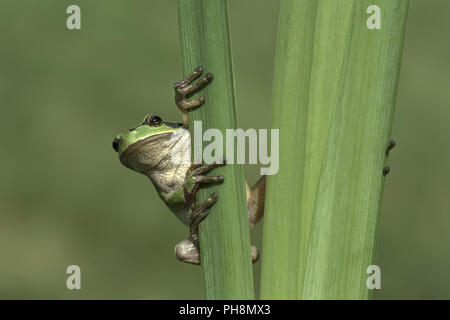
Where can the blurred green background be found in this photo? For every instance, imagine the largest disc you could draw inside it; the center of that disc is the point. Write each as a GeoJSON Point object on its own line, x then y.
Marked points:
{"type": "Point", "coordinates": [65, 199]}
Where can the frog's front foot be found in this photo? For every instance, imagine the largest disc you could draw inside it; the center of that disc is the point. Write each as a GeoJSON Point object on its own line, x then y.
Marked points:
{"type": "Point", "coordinates": [185, 88]}
{"type": "Point", "coordinates": [196, 177]}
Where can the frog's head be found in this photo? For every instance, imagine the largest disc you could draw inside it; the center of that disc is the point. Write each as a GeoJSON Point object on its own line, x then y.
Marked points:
{"type": "Point", "coordinates": [147, 145]}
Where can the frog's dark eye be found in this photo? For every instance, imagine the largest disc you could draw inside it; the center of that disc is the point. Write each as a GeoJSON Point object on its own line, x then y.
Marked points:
{"type": "Point", "coordinates": [153, 121]}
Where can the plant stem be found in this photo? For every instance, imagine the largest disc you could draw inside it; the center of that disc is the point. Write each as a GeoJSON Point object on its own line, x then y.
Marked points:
{"type": "Point", "coordinates": [334, 97]}
{"type": "Point", "coordinates": [224, 234]}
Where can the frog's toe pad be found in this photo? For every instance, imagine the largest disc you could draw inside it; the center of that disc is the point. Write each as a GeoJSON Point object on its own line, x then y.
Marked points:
{"type": "Point", "coordinates": [187, 251]}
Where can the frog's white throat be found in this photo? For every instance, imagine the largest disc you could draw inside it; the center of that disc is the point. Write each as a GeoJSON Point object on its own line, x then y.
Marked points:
{"type": "Point", "coordinates": [169, 167]}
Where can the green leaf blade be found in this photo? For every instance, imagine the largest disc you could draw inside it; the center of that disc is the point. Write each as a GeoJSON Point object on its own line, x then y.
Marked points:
{"type": "Point", "coordinates": [335, 105]}
{"type": "Point", "coordinates": [224, 234]}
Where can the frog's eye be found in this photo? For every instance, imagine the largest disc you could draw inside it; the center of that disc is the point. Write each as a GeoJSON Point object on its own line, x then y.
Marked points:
{"type": "Point", "coordinates": [153, 121]}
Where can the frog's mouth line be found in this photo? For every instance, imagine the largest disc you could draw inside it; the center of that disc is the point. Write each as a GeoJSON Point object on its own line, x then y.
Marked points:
{"type": "Point", "coordinates": [139, 143]}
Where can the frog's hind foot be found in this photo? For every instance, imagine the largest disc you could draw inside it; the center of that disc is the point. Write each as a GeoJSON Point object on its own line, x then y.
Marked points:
{"type": "Point", "coordinates": [390, 146]}
{"type": "Point", "coordinates": [184, 88]}
{"type": "Point", "coordinates": [187, 251]}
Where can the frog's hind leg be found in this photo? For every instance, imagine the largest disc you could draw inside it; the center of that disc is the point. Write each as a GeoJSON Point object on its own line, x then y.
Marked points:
{"type": "Point", "coordinates": [255, 201]}
{"type": "Point", "coordinates": [199, 213]}
{"type": "Point", "coordinates": [255, 205]}
{"type": "Point", "coordinates": [188, 249]}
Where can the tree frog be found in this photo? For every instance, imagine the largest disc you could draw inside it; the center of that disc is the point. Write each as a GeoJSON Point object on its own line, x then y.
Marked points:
{"type": "Point", "coordinates": [148, 148]}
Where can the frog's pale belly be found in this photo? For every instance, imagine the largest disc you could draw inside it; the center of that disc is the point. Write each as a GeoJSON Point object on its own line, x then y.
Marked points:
{"type": "Point", "coordinates": [169, 173]}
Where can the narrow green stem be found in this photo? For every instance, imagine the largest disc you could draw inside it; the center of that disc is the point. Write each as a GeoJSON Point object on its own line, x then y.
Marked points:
{"type": "Point", "coordinates": [334, 96]}
{"type": "Point", "coordinates": [224, 234]}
